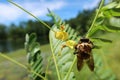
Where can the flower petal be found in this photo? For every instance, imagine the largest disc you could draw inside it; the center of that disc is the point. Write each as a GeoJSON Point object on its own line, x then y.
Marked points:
{"type": "Point", "coordinates": [61, 35]}
{"type": "Point", "coordinates": [70, 43]}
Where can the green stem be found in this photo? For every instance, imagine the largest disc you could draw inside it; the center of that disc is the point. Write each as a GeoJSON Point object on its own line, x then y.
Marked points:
{"type": "Point", "coordinates": [92, 25]}
{"type": "Point", "coordinates": [12, 60]}
{"type": "Point", "coordinates": [46, 70]}
{"type": "Point", "coordinates": [37, 74]}
{"type": "Point", "coordinates": [70, 69]}
{"type": "Point", "coordinates": [16, 62]}
{"type": "Point", "coordinates": [31, 15]}
{"type": "Point", "coordinates": [54, 59]}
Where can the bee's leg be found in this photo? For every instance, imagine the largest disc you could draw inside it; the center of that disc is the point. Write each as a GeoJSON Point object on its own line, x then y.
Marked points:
{"type": "Point", "coordinates": [76, 52]}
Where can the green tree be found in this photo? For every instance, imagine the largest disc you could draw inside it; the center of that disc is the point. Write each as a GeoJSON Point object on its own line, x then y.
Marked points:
{"type": "Point", "coordinates": [16, 32]}
{"type": "Point", "coordinates": [3, 32]}
{"type": "Point", "coordinates": [81, 22]}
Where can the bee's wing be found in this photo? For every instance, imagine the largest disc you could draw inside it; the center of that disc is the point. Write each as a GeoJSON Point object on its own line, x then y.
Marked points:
{"type": "Point", "coordinates": [90, 63]}
{"type": "Point", "coordinates": [79, 62]}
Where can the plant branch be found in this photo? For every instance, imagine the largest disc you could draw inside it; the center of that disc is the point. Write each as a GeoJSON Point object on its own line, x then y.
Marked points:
{"type": "Point", "coordinates": [16, 62]}
{"type": "Point", "coordinates": [71, 67]}
{"type": "Point", "coordinates": [54, 58]}
{"type": "Point", "coordinates": [31, 15]}
{"type": "Point", "coordinates": [97, 12]}
{"type": "Point", "coordinates": [12, 60]}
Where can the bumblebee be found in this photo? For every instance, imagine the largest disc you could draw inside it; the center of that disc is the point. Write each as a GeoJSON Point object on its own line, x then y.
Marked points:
{"type": "Point", "coordinates": [83, 51]}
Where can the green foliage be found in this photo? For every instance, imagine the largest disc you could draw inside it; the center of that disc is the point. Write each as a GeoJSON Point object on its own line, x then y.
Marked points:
{"type": "Point", "coordinates": [82, 21]}
{"type": "Point", "coordinates": [34, 56]}
{"type": "Point", "coordinates": [63, 59]}
{"type": "Point", "coordinates": [66, 61]}
{"type": "Point", "coordinates": [3, 32]}
{"type": "Point", "coordinates": [15, 33]}
{"type": "Point", "coordinates": [103, 21]}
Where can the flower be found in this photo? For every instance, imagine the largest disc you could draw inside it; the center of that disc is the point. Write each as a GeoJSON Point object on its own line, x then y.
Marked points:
{"type": "Point", "coordinates": [61, 35]}
{"type": "Point", "coordinates": [70, 43]}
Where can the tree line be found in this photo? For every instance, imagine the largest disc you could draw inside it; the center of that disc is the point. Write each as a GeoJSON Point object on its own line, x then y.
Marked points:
{"type": "Point", "coordinates": [17, 32]}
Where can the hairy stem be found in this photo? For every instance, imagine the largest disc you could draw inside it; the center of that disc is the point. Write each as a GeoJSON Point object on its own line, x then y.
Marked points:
{"type": "Point", "coordinates": [31, 15]}
{"type": "Point", "coordinates": [92, 25]}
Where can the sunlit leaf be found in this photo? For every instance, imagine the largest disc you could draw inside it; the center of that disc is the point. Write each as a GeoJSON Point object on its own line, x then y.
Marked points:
{"type": "Point", "coordinates": [114, 22]}
{"type": "Point", "coordinates": [109, 6]}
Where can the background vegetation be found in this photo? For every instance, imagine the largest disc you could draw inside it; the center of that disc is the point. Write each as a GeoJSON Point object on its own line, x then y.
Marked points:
{"type": "Point", "coordinates": [81, 24]}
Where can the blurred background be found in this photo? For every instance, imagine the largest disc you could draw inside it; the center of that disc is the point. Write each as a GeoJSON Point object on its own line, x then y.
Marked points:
{"type": "Point", "coordinates": [15, 23]}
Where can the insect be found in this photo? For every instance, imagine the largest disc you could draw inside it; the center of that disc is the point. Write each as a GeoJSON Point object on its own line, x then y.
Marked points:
{"type": "Point", "coordinates": [83, 51]}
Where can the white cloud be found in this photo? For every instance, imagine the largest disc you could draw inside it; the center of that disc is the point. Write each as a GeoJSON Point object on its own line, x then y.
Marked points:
{"type": "Point", "coordinates": [40, 9]}
{"type": "Point", "coordinates": [91, 5]}
{"type": "Point", "coordinates": [9, 12]}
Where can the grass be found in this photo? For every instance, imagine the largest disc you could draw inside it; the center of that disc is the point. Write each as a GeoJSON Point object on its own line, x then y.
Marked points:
{"type": "Point", "coordinates": [11, 71]}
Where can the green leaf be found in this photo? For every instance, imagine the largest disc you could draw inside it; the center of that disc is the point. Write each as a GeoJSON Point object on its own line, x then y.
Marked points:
{"type": "Point", "coordinates": [110, 28]}
{"type": "Point", "coordinates": [111, 13]}
{"type": "Point", "coordinates": [101, 40]}
{"type": "Point", "coordinates": [111, 10]}
{"type": "Point", "coordinates": [107, 14]}
{"type": "Point", "coordinates": [96, 47]}
{"type": "Point", "coordinates": [115, 12]}
{"type": "Point", "coordinates": [93, 31]}
{"type": "Point", "coordinates": [32, 38]}
{"type": "Point", "coordinates": [109, 6]}
{"type": "Point", "coordinates": [114, 21]}
{"type": "Point", "coordinates": [34, 56]}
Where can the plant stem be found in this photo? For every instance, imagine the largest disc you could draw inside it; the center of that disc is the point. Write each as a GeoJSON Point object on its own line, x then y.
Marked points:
{"type": "Point", "coordinates": [31, 15]}
{"type": "Point", "coordinates": [54, 58]}
{"type": "Point", "coordinates": [71, 67]}
{"type": "Point", "coordinates": [50, 58]}
{"type": "Point", "coordinates": [12, 60]}
{"type": "Point", "coordinates": [16, 62]}
{"type": "Point", "coordinates": [92, 25]}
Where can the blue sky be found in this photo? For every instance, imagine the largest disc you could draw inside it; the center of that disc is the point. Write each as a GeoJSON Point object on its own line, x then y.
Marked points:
{"type": "Point", "coordinates": [66, 9]}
